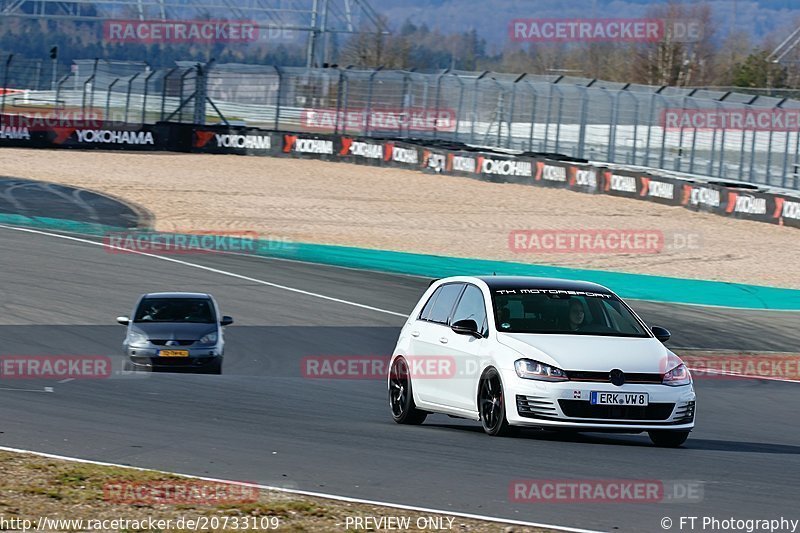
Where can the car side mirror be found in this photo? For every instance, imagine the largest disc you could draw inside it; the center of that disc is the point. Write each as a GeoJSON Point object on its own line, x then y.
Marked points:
{"type": "Point", "coordinates": [123, 320]}
{"type": "Point", "coordinates": [466, 327]}
{"type": "Point", "coordinates": [660, 333]}
{"type": "Point", "coordinates": [226, 321]}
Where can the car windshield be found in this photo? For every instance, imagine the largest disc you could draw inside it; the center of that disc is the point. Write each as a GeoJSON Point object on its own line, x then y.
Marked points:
{"type": "Point", "coordinates": [525, 310]}
{"type": "Point", "coordinates": [196, 310]}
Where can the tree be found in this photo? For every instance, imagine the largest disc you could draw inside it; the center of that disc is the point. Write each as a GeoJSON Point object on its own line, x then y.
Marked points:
{"type": "Point", "coordinates": [757, 71]}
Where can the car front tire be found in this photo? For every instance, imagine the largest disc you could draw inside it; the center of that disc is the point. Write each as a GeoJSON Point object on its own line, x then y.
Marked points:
{"type": "Point", "coordinates": [668, 439]}
{"type": "Point", "coordinates": [401, 397]}
{"type": "Point", "coordinates": [492, 405]}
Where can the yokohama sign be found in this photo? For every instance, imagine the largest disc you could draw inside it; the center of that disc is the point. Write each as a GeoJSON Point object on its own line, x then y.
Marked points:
{"type": "Point", "coordinates": [413, 119]}
{"type": "Point", "coordinates": [507, 167]}
{"type": "Point", "coordinates": [115, 137]}
{"type": "Point", "coordinates": [293, 143]}
{"type": "Point", "coordinates": [361, 149]}
{"type": "Point", "coordinates": [260, 143]}
{"type": "Point", "coordinates": [399, 154]}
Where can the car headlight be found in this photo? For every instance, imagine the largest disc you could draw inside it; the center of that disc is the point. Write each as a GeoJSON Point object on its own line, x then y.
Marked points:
{"type": "Point", "coordinates": [208, 338]}
{"type": "Point", "coordinates": [678, 376]}
{"type": "Point", "coordinates": [138, 339]}
{"type": "Point", "coordinates": [530, 369]}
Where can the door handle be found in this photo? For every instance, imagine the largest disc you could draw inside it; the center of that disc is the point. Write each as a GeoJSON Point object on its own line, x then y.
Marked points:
{"type": "Point", "coordinates": [443, 340]}
{"type": "Point", "coordinates": [415, 333]}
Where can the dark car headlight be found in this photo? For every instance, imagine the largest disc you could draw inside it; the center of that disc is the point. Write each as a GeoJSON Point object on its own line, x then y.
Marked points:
{"type": "Point", "coordinates": [530, 369]}
{"type": "Point", "coordinates": [209, 338]}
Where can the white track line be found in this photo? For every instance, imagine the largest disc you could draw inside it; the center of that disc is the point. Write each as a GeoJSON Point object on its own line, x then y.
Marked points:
{"type": "Point", "coordinates": [209, 269]}
{"type": "Point", "coordinates": [308, 493]}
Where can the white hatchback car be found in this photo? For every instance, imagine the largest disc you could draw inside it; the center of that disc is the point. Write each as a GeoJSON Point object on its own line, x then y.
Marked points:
{"type": "Point", "coordinates": [547, 353]}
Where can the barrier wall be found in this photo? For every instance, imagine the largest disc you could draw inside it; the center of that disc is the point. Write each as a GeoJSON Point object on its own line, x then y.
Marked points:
{"type": "Point", "coordinates": [726, 199]}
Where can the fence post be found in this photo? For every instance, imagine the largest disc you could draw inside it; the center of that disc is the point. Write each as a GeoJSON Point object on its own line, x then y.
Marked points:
{"type": "Point", "coordinates": [144, 96]}
{"type": "Point", "coordinates": [533, 114]}
{"type": "Point", "coordinates": [406, 103]}
{"type": "Point", "coordinates": [663, 132]}
{"type": "Point", "coordinates": [278, 97]}
{"type": "Point", "coordinates": [94, 78]}
{"type": "Point", "coordinates": [436, 108]}
{"type": "Point", "coordinates": [339, 90]}
{"type": "Point", "coordinates": [650, 124]}
{"type": "Point", "coordinates": [370, 92]}
{"type": "Point", "coordinates": [164, 91]}
{"type": "Point", "coordinates": [61, 82]}
{"type": "Point", "coordinates": [560, 116]}
{"type": "Point", "coordinates": [346, 97]}
{"type": "Point", "coordinates": [38, 77]}
{"type": "Point", "coordinates": [584, 118]}
{"type": "Point", "coordinates": [753, 142]}
{"type": "Point", "coordinates": [459, 108]}
{"type": "Point", "coordinates": [511, 108]}
{"type": "Point", "coordinates": [201, 92]}
{"type": "Point", "coordinates": [612, 128]}
{"type": "Point", "coordinates": [5, 86]}
{"type": "Point", "coordinates": [128, 95]}
{"type": "Point", "coordinates": [475, 106]}
{"type": "Point", "coordinates": [108, 98]}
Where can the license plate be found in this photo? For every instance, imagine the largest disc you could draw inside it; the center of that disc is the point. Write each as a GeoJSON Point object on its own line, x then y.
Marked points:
{"type": "Point", "coordinates": [619, 398]}
{"type": "Point", "coordinates": [173, 353]}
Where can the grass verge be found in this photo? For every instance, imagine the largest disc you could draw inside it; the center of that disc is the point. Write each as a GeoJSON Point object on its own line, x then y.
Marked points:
{"type": "Point", "coordinates": [33, 487]}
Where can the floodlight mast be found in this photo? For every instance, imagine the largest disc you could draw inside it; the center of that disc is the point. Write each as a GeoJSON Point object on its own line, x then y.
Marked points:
{"type": "Point", "coordinates": [783, 49]}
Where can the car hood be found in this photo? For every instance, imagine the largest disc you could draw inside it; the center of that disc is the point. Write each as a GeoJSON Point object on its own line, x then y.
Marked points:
{"type": "Point", "coordinates": [173, 330]}
{"type": "Point", "coordinates": [593, 353]}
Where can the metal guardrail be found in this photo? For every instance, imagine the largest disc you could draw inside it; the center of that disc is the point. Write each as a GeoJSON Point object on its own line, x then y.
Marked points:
{"type": "Point", "coordinates": [592, 119]}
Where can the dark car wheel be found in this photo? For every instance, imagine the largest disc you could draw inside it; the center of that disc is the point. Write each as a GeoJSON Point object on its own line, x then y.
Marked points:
{"type": "Point", "coordinates": [668, 439]}
{"type": "Point", "coordinates": [401, 398]}
{"type": "Point", "coordinates": [214, 368]}
{"type": "Point", "coordinates": [491, 405]}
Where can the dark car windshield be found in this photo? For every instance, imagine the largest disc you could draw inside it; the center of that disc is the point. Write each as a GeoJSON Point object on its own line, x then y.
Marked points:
{"type": "Point", "coordinates": [525, 310]}
{"type": "Point", "coordinates": [195, 310]}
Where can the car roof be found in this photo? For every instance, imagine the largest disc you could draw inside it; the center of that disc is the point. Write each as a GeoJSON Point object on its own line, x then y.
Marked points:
{"type": "Point", "coordinates": [516, 282]}
{"type": "Point", "coordinates": [200, 295]}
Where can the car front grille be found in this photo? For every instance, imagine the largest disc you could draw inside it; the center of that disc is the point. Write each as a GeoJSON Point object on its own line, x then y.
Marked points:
{"type": "Point", "coordinates": [603, 377]}
{"type": "Point", "coordinates": [583, 409]}
{"type": "Point", "coordinates": [163, 342]}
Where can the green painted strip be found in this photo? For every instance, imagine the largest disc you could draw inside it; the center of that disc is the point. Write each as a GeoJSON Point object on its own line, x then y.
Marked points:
{"type": "Point", "coordinates": [635, 286]}
{"type": "Point", "coordinates": [58, 224]}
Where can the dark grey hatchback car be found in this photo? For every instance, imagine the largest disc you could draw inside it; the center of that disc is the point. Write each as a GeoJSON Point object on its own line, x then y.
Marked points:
{"type": "Point", "coordinates": [175, 331]}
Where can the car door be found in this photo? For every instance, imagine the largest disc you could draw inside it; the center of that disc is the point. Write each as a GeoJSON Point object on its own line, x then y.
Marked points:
{"type": "Point", "coordinates": [429, 344]}
{"type": "Point", "coordinates": [465, 350]}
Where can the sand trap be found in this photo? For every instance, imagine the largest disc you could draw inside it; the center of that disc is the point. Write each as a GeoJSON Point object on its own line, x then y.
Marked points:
{"type": "Point", "coordinates": [339, 203]}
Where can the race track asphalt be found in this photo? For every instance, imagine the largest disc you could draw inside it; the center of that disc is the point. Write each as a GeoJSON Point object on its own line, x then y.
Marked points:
{"type": "Point", "coordinates": [262, 421]}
